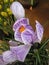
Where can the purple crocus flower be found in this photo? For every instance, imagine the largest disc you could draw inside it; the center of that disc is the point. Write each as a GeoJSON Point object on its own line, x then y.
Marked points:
{"type": "Point", "coordinates": [24, 33]}
{"type": "Point", "coordinates": [22, 29]}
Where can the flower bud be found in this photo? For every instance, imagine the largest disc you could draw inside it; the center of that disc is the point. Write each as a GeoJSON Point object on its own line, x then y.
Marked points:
{"type": "Point", "coordinates": [17, 10]}
{"type": "Point", "coordinates": [4, 14]}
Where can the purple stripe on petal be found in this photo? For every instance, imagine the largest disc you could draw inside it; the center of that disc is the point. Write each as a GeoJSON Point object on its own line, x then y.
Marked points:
{"type": "Point", "coordinates": [39, 30]}
{"type": "Point", "coordinates": [29, 27]}
{"type": "Point", "coordinates": [25, 21]}
{"type": "Point", "coordinates": [1, 57]}
{"type": "Point", "coordinates": [18, 23]}
{"type": "Point", "coordinates": [9, 57]}
{"type": "Point", "coordinates": [17, 36]}
{"type": "Point", "coordinates": [21, 51]}
{"type": "Point", "coordinates": [36, 38]}
{"type": "Point", "coordinates": [1, 61]}
{"type": "Point", "coordinates": [27, 36]}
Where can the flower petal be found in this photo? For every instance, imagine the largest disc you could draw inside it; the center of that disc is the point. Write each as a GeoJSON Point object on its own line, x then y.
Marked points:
{"type": "Point", "coordinates": [17, 10]}
{"type": "Point", "coordinates": [21, 51]}
{"type": "Point", "coordinates": [13, 43]}
{"type": "Point", "coordinates": [24, 21]}
{"type": "Point", "coordinates": [17, 36]}
{"type": "Point", "coordinates": [39, 30]}
{"type": "Point", "coordinates": [27, 36]}
{"type": "Point", "coordinates": [36, 38]}
{"type": "Point", "coordinates": [9, 57]}
{"type": "Point", "coordinates": [29, 27]}
{"type": "Point", "coordinates": [18, 23]}
{"type": "Point", "coordinates": [1, 61]}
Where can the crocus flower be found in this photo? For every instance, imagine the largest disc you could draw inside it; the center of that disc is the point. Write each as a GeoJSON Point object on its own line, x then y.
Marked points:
{"type": "Point", "coordinates": [23, 32]}
{"type": "Point", "coordinates": [17, 10]}
{"type": "Point", "coordinates": [22, 27]}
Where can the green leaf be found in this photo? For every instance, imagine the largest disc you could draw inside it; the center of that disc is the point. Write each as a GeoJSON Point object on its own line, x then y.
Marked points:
{"type": "Point", "coordinates": [45, 56]}
{"type": "Point", "coordinates": [44, 44]}
{"type": "Point", "coordinates": [36, 53]}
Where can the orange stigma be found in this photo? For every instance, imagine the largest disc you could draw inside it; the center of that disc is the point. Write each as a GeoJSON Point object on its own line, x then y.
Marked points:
{"type": "Point", "coordinates": [21, 29]}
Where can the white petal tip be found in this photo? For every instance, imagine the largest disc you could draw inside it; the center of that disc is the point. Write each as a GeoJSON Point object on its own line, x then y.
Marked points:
{"type": "Point", "coordinates": [36, 21]}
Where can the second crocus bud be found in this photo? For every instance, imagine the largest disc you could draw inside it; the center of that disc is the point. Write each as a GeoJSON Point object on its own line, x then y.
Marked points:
{"type": "Point", "coordinates": [17, 10]}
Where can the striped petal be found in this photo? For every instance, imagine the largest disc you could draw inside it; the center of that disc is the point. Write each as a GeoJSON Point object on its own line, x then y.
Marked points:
{"type": "Point", "coordinates": [1, 61]}
{"type": "Point", "coordinates": [39, 30]}
{"type": "Point", "coordinates": [27, 36]}
{"type": "Point", "coordinates": [29, 27]}
{"type": "Point", "coordinates": [9, 57]}
{"type": "Point", "coordinates": [21, 51]}
{"type": "Point", "coordinates": [36, 38]}
{"type": "Point", "coordinates": [18, 23]}
{"type": "Point", "coordinates": [17, 36]}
